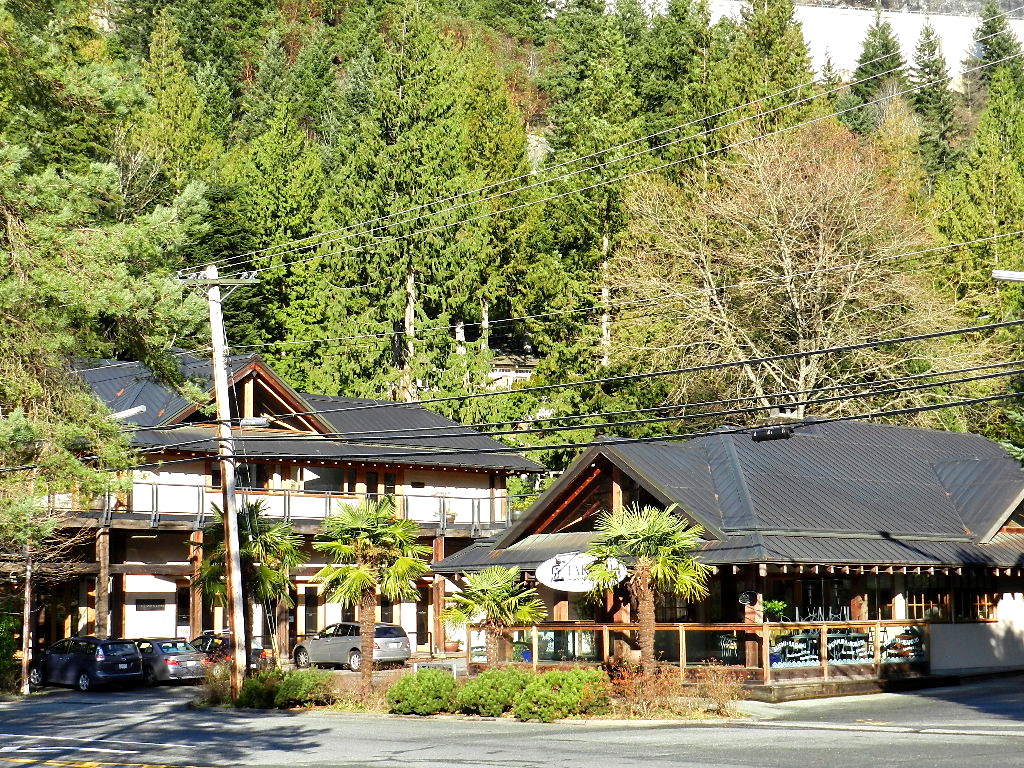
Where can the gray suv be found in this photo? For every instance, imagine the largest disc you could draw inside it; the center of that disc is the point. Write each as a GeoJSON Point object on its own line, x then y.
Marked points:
{"type": "Point", "coordinates": [338, 644]}
{"type": "Point", "coordinates": [85, 662]}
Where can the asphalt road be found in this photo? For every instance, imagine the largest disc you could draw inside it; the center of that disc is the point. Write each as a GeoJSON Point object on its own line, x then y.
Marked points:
{"type": "Point", "coordinates": [978, 725]}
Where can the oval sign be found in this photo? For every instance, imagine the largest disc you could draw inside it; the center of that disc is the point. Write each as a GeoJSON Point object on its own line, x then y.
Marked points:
{"type": "Point", "coordinates": [567, 572]}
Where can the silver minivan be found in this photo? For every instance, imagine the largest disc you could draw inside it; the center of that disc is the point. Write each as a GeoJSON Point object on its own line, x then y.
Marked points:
{"type": "Point", "coordinates": [338, 644]}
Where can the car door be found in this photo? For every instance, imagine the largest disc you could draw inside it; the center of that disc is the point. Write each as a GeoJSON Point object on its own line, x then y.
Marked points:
{"type": "Point", "coordinates": [347, 642]}
{"type": "Point", "coordinates": [80, 659]}
{"type": "Point", "coordinates": [54, 660]}
{"type": "Point", "coordinates": [319, 645]}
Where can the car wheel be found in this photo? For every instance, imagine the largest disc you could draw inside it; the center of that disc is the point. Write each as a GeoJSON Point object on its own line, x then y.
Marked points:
{"type": "Point", "coordinates": [355, 661]}
{"type": "Point", "coordinates": [84, 682]}
{"type": "Point", "coordinates": [35, 678]}
{"type": "Point", "coordinates": [301, 658]}
{"type": "Point", "coordinates": [148, 677]}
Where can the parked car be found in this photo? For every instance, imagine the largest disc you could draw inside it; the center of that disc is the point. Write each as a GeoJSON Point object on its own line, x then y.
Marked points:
{"type": "Point", "coordinates": [167, 659]}
{"type": "Point", "coordinates": [86, 662]}
{"type": "Point", "coordinates": [339, 644]}
{"type": "Point", "coordinates": [218, 647]}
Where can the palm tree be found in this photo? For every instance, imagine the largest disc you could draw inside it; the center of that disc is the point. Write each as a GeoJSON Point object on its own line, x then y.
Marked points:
{"type": "Point", "coordinates": [656, 547]}
{"type": "Point", "coordinates": [267, 550]}
{"type": "Point", "coordinates": [372, 550]}
{"type": "Point", "coordinates": [494, 598]}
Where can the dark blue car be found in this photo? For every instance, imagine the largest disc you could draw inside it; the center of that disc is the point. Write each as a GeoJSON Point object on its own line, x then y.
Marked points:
{"type": "Point", "coordinates": [86, 662]}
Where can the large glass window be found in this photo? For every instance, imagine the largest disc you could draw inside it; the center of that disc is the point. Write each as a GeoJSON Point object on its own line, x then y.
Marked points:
{"type": "Point", "coordinates": [322, 479]}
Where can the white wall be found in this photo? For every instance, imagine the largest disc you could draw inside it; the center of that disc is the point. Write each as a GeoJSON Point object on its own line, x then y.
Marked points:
{"type": "Point", "coordinates": [457, 488]}
{"type": "Point", "coordinates": [149, 623]}
{"type": "Point", "coordinates": [977, 648]}
{"type": "Point", "coordinates": [839, 32]}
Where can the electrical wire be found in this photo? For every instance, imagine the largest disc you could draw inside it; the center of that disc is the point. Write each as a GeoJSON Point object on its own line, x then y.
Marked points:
{"type": "Point", "coordinates": [278, 249]}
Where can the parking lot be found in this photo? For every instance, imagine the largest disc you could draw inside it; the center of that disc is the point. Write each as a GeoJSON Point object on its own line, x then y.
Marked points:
{"type": "Point", "coordinates": [977, 724]}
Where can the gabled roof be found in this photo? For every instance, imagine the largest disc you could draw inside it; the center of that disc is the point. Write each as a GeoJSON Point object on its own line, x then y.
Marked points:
{"type": "Point", "coordinates": [835, 492]}
{"type": "Point", "coordinates": [339, 428]}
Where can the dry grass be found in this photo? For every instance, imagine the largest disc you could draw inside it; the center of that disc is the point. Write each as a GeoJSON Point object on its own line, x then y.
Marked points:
{"type": "Point", "coordinates": [718, 688]}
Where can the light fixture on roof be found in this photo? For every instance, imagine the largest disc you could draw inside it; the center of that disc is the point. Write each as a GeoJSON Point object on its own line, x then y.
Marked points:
{"type": "Point", "coordinates": [129, 413]}
{"type": "Point", "coordinates": [254, 421]}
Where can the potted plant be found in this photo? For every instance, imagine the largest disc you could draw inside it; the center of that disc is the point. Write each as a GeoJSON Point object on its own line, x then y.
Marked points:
{"type": "Point", "coordinates": [773, 610]}
{"type": "Point", "coordinates": [452, 646]}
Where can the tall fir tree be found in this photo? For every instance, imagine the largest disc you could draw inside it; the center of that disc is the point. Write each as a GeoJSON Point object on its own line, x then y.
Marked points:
{"type": "Point", "coordinates": [770, 66]}
{"type": "Point", "coordinates": [174, 128]}
{"type": "Point", "coordinates": [881, 70]}
{"type": "Point", "coordinates": [984, 196]}
{"type": "Point", "coordinates": [935, 106]}
{"type": "Point", "coordinates": [994, 41]}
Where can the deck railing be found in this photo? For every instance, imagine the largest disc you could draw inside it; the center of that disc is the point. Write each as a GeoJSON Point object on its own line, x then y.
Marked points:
{"type": "Point", "coordinates": [192, 503]}
{"type": "Point", "coordinates": [772, 652]}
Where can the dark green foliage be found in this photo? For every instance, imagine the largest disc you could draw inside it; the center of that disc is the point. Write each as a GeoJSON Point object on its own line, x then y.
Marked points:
{"type": "Point", "coordinates": [305, 688]}
{"type": "Point", "coordinates": [492, 692]}
{"type": "Point", "coordinates": [558, 694]}
{"type": "Point", "coordinates": [993, 41]}
{"type": "Point", "coordinates": [426, 692]}
{"type": "Point", "coordinates": [281, 690]}
{"type": "Point", "coordinates": [260, 690]}
{"type": "Point", "coordinates": [880, 70]}
{"type": "Point", "coordinates": [10, 667]}
{"type": "Point", "coordinates": [935, 105]}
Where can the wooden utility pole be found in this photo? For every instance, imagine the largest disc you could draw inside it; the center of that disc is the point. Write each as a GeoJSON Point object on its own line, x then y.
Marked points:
{"type": "Point", "coordinates": [225, 448]}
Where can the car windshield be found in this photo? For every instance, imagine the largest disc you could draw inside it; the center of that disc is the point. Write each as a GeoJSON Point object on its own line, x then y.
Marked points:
{"type": "Point", "coordinates": [389, 632]}
{"type": "Point", "coordinates": [176, 646]}
{"type": "Point", "coordinates": [120, 649]}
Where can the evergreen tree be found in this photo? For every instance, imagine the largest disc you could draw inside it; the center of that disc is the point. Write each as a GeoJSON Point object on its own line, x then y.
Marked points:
{"type": "Point", "coordinates": [985, 197]}
{"type": "Point", "coordinates": [881, 70]}
{"type": "Point", "coordinates": [679, 81]}
{"type": "Point", "coordinates": [174, 128]}
{"type": "Point", "coordinates": [769, 56]}
{"type": "Point", "coordinates": [934, 104]}
{"type": "Point", "coordinates": [993, 41]}
{"type": "Point", "coordinates": [260, 100]}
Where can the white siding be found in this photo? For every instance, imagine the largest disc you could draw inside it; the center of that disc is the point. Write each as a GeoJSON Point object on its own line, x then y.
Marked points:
{"type": "Point", "coordinates": [984, 647]}
{"type": "Point", "coordinates": [160, 623]}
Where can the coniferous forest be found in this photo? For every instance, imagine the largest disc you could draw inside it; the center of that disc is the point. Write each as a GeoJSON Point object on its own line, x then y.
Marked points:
{"type": "Point", "coordinates": [421, 187]}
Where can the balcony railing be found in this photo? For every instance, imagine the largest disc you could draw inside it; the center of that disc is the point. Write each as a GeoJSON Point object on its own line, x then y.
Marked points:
{"type": "Point", "coordinates": [822, 650]}
{"type": "Point", "coordinates": [190, 503]}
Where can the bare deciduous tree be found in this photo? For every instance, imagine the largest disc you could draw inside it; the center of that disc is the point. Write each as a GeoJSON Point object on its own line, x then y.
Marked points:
{"type": "Point", "coordinates": [800, 248]}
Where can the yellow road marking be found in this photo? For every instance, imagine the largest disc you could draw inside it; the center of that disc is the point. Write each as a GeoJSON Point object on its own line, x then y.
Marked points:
{"type": "Point", "coordinates": [91, 763]}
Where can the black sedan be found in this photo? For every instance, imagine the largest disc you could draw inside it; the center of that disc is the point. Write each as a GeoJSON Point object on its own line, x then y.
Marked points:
{"type": "Point", "coordinates": [168, 659]}
{"type": "Point", "coordinates": [85, 662]}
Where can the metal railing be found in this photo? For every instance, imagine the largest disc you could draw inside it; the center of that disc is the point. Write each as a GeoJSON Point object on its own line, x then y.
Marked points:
{"type": "Point", "coordinates": [768, 652]}
{"type": "Point", "coordinates": [193, 503]}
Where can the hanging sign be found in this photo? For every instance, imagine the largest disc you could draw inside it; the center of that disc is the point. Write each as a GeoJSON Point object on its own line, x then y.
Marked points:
{"type": "Point", "coordinates": [567, 572]}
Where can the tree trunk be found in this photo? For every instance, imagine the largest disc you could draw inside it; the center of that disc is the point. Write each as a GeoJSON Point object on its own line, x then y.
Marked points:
{"type": "Point", "coordinates": [644, 595]}
{"type": "Point", "coordinates": [26, 621]}
{"type": "Point", "coordinates": [367, 624]}
{"type": "Point", "coordinates": [491, 641]}
{"type": "Point", "coordinates": [246, 633]}
{"type": "Point", "coordinates": [407, 383]}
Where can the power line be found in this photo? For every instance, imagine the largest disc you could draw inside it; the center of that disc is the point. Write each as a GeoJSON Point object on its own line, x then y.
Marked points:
{"type": "Point", "coordinates": [631, 174]}
{"type": "Point", "coordinates": [647, 375]}
{"type": "Point", "coordinates": [350, 438]}
{"type": "Point", "coordinates": [279, 249]}
{"type": "Point", "coordinates": [644, 301]}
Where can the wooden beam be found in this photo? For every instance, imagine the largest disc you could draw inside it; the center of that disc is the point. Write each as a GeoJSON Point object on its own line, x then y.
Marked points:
{"type": "Point", "coordinates": [103, 582]}
{"type": "Point", "coordinates": [540, 525]}
{"type": "Point", "coordinates": [616, 500]}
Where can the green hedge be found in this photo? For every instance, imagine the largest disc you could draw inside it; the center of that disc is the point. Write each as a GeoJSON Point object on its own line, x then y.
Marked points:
{"type": "Point", "coordinates": [559, 694]}
{"type": "Point", "coordinates": [493, 692]}
{"type": "Point", "coordinates": [297, 688]}
{"type": "Point", "coordinates": [426, 692]}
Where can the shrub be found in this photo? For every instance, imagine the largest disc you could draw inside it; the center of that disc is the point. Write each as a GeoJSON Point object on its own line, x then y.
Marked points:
{"type": "Point", "coordinates": [304, 688]}
{"type": "Point", "coordinates": [720, 687]}
{"type": "Point", "coordinates": [216, 688]}
{"type": "Point", "coordinates": [260, 691]}
{"type": "Point", "coordinates": [492, 693]}
{"type": "Point", "coordinates": [643, 693]}
{"type": "Point", "coordinates": [560, 694]}
{"type": "Point", "coordinates": [426, 692]}
{"type": "Point", "coordinates": [10, 667]}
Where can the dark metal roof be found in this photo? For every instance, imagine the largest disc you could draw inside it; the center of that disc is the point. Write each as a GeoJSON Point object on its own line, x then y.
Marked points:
{"type": "Point", "coordinates": [1005, 551]}
{"type": "Point", "coordinates": [838, 477]}
{"type": "Point", "coordinates": [836, 492]}
{"type": "Point", "coordinates": [122, 386]}
{"type": "Point", "coordinates": [275, 445]}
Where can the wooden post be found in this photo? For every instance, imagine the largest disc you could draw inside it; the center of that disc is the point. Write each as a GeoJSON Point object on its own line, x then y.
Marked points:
{"type": "Point", "coordinates": [766, 658]}
{"type": "Point", "coordinates": [823, 650]}
{"type": "Point", "coordinates": [682, 651]}
{"type": "Point", "coordinates": [616, 499]}
{"type": "Point", "coordinates": [877, 655]}
{"type": "Point", "coordinates": [102, 624]}
{"type": "Point", "coordinates": [195, 590]}
{"type": "Point", "coordinates": [606, 641]}
{"type": "Point", "coordinates": [536, 647]}
{"type": "Point", "coordinates": [469, 645]}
